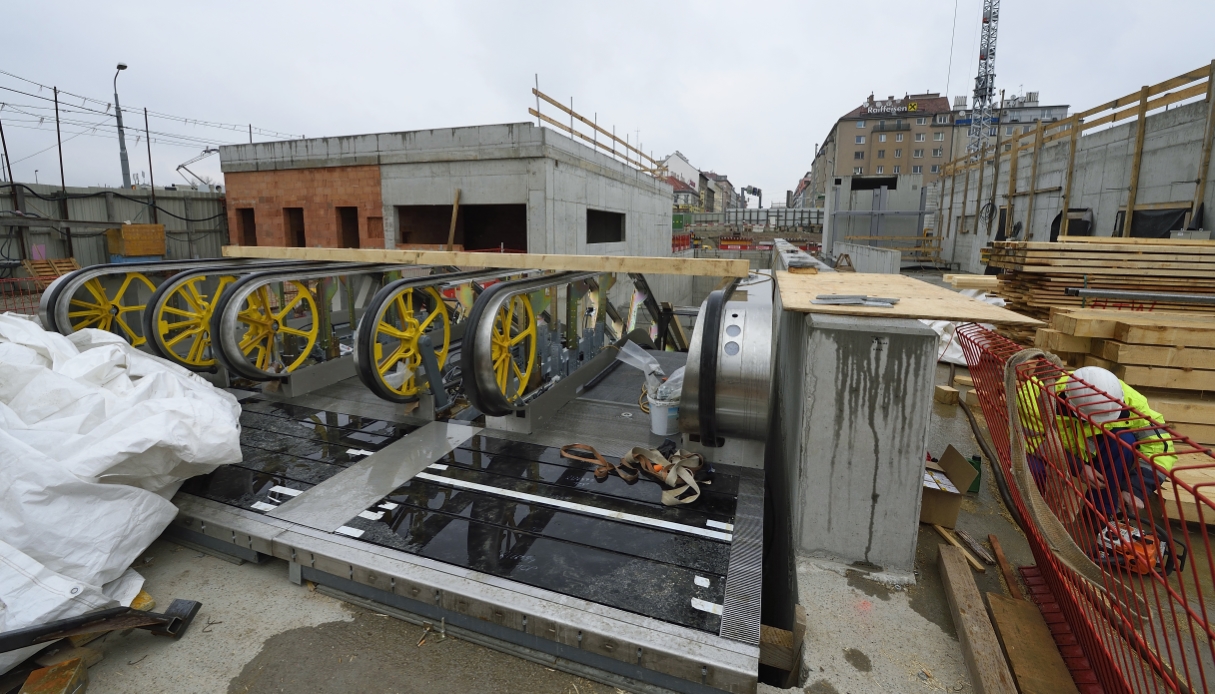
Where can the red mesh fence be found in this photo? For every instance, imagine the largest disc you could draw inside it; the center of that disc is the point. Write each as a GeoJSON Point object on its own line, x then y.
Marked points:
{"type": "Point", "coordinates": [1128, 504]}
{"type": "Point", "coordinates": [22, 294]}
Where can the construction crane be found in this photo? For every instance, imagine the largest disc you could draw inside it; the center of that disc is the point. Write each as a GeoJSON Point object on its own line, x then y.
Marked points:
{"type": "Point", "coordinates": [983, 116]}
{"type": "Point", "coordinates": [198, 180]}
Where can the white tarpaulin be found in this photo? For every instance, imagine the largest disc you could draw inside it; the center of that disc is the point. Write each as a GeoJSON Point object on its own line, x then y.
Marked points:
{"type": "Point", "coordinates": [948, 349]}
{"type": "Point", "coordinates": [95, 438]}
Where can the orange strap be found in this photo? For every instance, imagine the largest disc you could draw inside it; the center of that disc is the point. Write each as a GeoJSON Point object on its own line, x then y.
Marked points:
{"type": "Point", "coordinates": [603, 468]}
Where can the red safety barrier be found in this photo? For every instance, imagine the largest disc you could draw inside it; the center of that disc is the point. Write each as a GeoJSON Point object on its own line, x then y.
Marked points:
{"type": "Point", "coordinates": [22, 294]}
{"type": "Point", "coordinates": [681, 242]}
{"type": "Point", "coordinates": [1136, 586]}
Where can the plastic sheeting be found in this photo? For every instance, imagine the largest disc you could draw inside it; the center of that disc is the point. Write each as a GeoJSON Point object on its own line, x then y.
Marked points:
{"type": "Point", "coordinates": [948, 349]}
{"type": "Point", "coordinates": [95, 438]}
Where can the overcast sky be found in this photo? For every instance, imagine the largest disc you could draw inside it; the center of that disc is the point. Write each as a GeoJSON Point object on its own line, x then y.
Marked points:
{"type": "Point", "coordinates": [744, 89]}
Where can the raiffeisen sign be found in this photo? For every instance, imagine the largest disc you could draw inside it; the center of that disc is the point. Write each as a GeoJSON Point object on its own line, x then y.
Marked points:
{"type": "Point", "coordinates": [890, 107]}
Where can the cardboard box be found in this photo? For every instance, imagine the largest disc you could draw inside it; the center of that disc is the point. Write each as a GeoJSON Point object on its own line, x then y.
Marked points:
{"type": "Point", "coordinates": [942, 498]}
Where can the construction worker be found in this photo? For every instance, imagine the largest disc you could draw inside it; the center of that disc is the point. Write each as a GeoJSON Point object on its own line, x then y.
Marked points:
{"type": "Point", "coordinates": [1100, 453]}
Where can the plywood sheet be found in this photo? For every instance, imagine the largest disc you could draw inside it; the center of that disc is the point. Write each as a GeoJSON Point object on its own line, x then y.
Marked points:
{"type": "Point", "coordinates": [917, 299]}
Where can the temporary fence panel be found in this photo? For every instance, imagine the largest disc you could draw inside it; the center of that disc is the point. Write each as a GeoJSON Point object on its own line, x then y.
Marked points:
{"type": "Point", "coordinates": [1135, 587]}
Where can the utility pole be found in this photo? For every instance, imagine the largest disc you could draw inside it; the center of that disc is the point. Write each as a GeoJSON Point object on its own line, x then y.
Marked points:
{"type": "Point", "coordinates": [122, 140]}
{"type": "Point", "coordinates": [147, 135]}
{"type": "Point", "coordinates": [63, 203]}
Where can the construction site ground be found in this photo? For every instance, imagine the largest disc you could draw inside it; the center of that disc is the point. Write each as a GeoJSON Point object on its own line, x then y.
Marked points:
{"type": "Point", "coordinates": [259, 633]}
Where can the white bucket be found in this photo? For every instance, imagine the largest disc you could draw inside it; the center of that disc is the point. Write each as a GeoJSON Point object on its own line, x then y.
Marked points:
{"type": "Point", "coordinates": [663, 416]}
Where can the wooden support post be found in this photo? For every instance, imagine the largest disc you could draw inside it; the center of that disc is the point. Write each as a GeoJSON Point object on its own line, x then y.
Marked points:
{"type": "Point", "coordinates": [1013, 160]}
{"type": "Point", "coordinates": [1033, 180]}
{"type": "Point", "coordinates": [980, 647]}
{"type": "Point", "coordinates": [953, 187]}
{"type": "Point", "coordinates": [1128, 220]}
{"type": "Point", "coordinates": [1204, 165]}
{"type": "Point", "coordinates": [965, 197]}
{"type": "Point", "coordinates": [979, 187]}
{"type": "Point", "coordinates": [1074, 142]}
{"type": "Point", "coordinates": [940, 204]}
{"type": "Point", "coordinates": [455, 212]}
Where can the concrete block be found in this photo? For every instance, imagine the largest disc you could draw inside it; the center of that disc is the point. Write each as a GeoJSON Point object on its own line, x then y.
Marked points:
{"type": "Point", "coordinates": [865, 388]}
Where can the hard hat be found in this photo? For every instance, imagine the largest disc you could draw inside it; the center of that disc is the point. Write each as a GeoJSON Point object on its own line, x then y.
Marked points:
{"type": "Point", "coordinates": [1094, 399]}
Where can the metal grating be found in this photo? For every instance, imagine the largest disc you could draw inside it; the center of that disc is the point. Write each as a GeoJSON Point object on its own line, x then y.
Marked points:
{"type": "Point", "coordinates": [740, 615]}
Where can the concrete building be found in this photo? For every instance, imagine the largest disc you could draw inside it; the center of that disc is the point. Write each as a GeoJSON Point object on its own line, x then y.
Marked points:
{"type": "Point", "coordinates": [872, 170]}
{"type": "Point", "coordinates": [678, 166]}
{"type": "Point", "coordinates": [1015, 118]}
{"type": "Point", "coordinates": [521, 188]}
{"type": "Point", "coordinates": [685, 198]}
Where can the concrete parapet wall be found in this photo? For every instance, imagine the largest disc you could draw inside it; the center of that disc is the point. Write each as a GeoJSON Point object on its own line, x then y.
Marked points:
{"type": "Point", "coordinates": [870, 258]}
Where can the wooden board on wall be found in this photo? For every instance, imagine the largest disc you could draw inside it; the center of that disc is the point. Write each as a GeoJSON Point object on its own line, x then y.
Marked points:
{"type": "Point", "coordinates": [708, 267]}
{"type": "Point", "coordinates": [917, 299]}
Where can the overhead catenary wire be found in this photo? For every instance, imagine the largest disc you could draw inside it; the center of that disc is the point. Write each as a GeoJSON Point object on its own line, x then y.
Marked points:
{"type": "Point", "coordinates": [79, 196]}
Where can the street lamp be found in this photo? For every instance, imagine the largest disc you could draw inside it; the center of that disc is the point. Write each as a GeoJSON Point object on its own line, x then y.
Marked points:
{"type": "Point", "coordinates": [35, 176]}
{"type": "Point", "coordinates": [122, 140]}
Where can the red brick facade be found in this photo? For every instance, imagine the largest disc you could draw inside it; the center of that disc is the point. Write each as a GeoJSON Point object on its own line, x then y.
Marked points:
{"type": "Point", "coordinates": [319, 193]}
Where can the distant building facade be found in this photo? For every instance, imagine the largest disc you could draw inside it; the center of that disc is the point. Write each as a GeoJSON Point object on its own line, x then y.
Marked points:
{"type": "Point", "coordinates": [1017, 117]}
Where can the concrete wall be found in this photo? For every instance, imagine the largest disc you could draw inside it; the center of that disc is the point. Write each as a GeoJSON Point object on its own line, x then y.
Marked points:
{"type": "Point", "coordinates": [841, 221]}
{"type": "Point", "coordinates": [1168, 174]}
{"type": "Point", "coordinates": [850, 428]}
{"type": "Point", "coordinates": [870, 258]}
{"type": "Point", "coordinates": [183, 239]}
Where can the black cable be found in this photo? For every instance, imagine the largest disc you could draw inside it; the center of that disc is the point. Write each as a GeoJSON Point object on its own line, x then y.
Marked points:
{"type": "Point", "coordinates": [997, 470]}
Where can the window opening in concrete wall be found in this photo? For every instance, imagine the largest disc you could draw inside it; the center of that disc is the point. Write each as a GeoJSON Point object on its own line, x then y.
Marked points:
{"type": "Point", "coordinates": [604, 227]}
{"type": "Point", "coordinates": [478, 227]}
{"type": "Point", "coordinates": [348, 226]}
{"type": "Point", "coordinates": [874, 183]}
{"type": "Point", "coordinates": [293, 225]}
{"type": "Point", "coordinates": [246, 226]}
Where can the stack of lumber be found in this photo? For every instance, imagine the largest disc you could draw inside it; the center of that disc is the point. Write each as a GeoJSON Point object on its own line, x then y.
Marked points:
{"type": "Point", "coordinates": [1036, 274]}
{"type": "Point", "coordinates": [1167, 357]}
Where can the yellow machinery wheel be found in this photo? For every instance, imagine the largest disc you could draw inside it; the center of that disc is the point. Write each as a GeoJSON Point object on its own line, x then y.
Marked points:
{"type": "Point", "coordinates": [185, 314]}
{"type": "Point", "coordinates": [265, 319]}
{"type": "Point", "coordinates": [515, 324]}
{"type": "Point", "coordinates": [106, 313]}
{"type": "Point", "coordinates": [399, 325]}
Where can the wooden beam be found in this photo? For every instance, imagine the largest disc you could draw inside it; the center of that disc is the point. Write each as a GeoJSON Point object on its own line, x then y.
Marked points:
{"type": "Point", "coordinates": [1033, 180]}
{"type": "Point", "coordinates": [953, 187]}
{"type": "Point", "coordinates": [980, 647]}
{"type": "Point", "coordinates": [570, 112]}
{"type": "Point", "coordinates": [707, 267]}
{"type": "Point", "coordinates": [455, 213]}
{"type": "Point", "coordinates": [965, 197]}
{"type": "Point", "coordinates": [568, 129]}
{"type": "Point", "coordinates": [1013, 161]}
{"type": "Point", "coordinates": [1006, 569]}
{"type": "Point", "coordinates": [970, 558]}
{"type": "Point", "coordinates": [1071, 170]}
{"type": "Point", "coordinates": [1140, 130]}
{"type": "Point", "coordinates": [1204, 163]}
{"type": "Point", "coordinates": [1032, 654]}
{"type": "Point", "coordinates": [979, 188]}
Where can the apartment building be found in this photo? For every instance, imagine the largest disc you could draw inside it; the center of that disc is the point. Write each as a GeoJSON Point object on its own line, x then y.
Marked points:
{"type": "Point", "coordinates": [1017, 117]}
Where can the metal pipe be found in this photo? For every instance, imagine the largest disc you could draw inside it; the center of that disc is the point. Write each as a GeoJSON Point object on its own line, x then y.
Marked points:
{"type": "Point", "coordinates": [122, 140]}
{"type": "Point", "coordinates": [63, 203]}
{"type": "Point", "coordinates": [151, 178]}
{"type": "Point", "coordinates": [1141, 296]}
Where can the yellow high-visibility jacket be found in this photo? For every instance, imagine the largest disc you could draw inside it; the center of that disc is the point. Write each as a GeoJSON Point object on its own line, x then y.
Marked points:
{"type": "Point", "coordinates": [1073, 432]}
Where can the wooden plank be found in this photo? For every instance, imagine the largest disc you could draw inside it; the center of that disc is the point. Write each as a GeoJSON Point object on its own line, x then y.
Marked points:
{"type": "Point", "coordinates": [1005, 568]}
{"type": "Point", "coordinates": [1182, 407]}
{"type": "Point", "coordinates": [970, 558]}
{"type": "Point", "coordinates": [973, 545]}
{"type": "Point", "coordinates": [946, 395]}
{"type": "Point", "coordinates": [1178, 501]}
{"type": "Point", "coordinates": [1055, 341]}
{"type": "Point", "coordinates": [1032, 654]}
{"type": "Point", "coordinates": [1204, 161]}
{"type": "Point", "coordinates": [455, 214]}
{"type": "Point", "coordinates": [964, 380]}
{"type": "Point", "coordinates": [1154, 355]}
{"type": "Point", "coordinates": [776, 647]}
{"type": "Point", "coordinates": [1203, 433]}
{"type": "Point", "coordinates": [708, 267]}
{"type": "Point", "coordinates": [1033, 177]}
{"type": "Point", "coordinates": [1103, 323]}
{"type": "Point", "coordinates": [989, 282]}
{"type": "Point", "coordinates": [989, 672]}
{"type": "Point", "coordinates": [1187, 336]}
{"type": "Point", "coordinates": [1157, 377]}
{"type": "Point", "coordinates": [917, 299]}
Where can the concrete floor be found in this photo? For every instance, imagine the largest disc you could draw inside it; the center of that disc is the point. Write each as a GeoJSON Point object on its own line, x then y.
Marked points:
{"type": "Point", "coordinates": [257, 632]}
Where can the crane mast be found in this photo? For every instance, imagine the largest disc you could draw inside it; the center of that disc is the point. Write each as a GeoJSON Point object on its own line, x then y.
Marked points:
{"type": "Point", "coordinates": [983, 115]}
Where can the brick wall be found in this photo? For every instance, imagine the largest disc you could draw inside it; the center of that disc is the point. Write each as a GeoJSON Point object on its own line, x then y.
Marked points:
{"type": "Point", "coordinates": [319, 192]}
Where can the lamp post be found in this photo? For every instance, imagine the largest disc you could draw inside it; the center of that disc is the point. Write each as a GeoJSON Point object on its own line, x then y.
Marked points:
{"type": "Point", "coordinates": [122, 140]}
{"type": "Point", "coordinates": [35, 176]}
